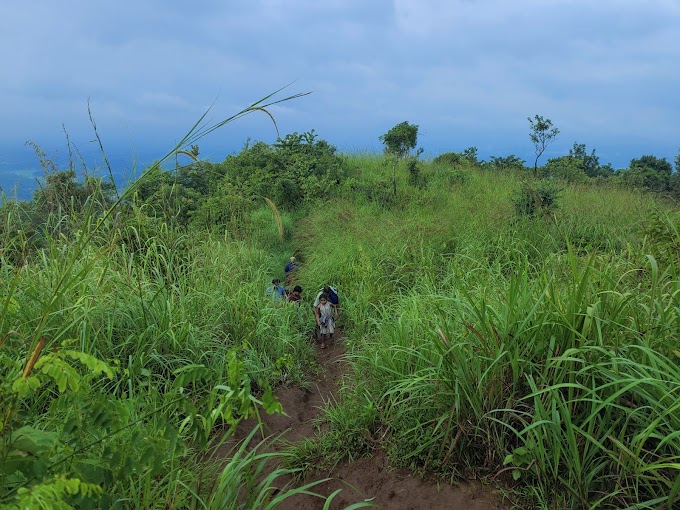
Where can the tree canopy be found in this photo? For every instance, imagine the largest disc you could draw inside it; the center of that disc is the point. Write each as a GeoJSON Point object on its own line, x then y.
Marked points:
{"type": "Point", "coordinates": [401, 139]}
{"type": "Point", "coordinates": [542, 134]}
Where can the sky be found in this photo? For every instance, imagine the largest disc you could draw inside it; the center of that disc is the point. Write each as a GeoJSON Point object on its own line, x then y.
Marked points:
{"type": "Point", "coordinates": [467, 72]}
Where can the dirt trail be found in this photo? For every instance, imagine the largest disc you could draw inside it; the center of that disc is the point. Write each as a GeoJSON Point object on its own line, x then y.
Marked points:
{"type": "Point", "coordinates": [371, 477]}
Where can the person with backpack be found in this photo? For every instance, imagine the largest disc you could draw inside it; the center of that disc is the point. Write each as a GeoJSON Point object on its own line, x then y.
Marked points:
{"type": "Point", "coordinates": [331, 294]}
{"type": "Point", "coordinates": [326, 314]}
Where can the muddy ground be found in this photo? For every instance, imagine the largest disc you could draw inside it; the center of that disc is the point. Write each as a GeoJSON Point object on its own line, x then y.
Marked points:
{"type": "Point", "coordinates": [370, 478]}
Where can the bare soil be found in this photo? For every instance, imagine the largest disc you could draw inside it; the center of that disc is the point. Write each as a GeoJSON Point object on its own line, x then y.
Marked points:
{"type": "Point", "coordinates": [368, 478]}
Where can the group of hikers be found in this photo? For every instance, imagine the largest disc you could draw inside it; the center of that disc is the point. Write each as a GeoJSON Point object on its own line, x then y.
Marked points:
{"type": "Point", "coordinates": [325, 304]}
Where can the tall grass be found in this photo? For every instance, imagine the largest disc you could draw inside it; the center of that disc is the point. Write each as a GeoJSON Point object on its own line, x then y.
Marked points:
{"type": "Point", "coordinates": [116, 329]}
{"type": "Point", "coordinates": [545, 349]}
{"type": "Point", "coordinates": [150, 309]}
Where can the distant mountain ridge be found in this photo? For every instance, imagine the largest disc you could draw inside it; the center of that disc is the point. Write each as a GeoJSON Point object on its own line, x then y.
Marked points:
{"type": "Point", "coordinates": [21, 171]}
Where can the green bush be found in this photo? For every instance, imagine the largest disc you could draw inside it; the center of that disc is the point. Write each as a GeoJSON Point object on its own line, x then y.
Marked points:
{"type": "Point", "coordinates": [566, 168]}
{"type": "Point", "coordinates": [536, 199]}
{"type": "Point", "coordinates": [507, 163]}
{"type": "Point", "coordinates": [451, 159]}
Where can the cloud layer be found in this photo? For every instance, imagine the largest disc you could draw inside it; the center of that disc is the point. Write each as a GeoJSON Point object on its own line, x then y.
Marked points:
{"type": "Point", "coordinates": [469, 72]}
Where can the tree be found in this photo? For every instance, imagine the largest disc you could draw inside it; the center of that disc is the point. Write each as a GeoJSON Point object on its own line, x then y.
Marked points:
{"type": "Point", "coordinates": [542, 134]}
{"type": "Point", "coordinates": [589, 163]}
{"type": "Point", "coordinates": [567, 168]}
{"type": "Point", "coordinates": [577, 166]}
{"type": "Point", "coordinates": [399, 141]}
{"type": "Point", "coordinates": [651, 172]}
{"type": "Point", "coordinates": [471, 155]}
{"type": "Point", "coordinates": [510, 162]}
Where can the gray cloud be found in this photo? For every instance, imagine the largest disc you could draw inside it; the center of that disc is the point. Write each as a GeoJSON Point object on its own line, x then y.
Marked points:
{"type": "Point", "coordinates": [468, 72]}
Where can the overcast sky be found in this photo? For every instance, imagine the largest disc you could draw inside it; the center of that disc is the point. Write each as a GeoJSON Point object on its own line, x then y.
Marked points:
{"type": "Point", "coordinates": [468, 72]}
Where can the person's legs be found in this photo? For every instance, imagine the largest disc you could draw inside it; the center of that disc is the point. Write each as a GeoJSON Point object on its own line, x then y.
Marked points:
{"type": "Point", "coordinates": [331, 329]}
{"type": "Point", "coordinates": [323, 331]}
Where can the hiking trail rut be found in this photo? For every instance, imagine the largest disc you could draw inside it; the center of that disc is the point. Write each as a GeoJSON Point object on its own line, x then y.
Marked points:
{"type": "Point", "coordinates": [366, 478]}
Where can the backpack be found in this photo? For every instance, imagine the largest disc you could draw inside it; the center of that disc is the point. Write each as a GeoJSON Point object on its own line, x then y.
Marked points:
{"type": "Point", "coordinates": [333, 296]}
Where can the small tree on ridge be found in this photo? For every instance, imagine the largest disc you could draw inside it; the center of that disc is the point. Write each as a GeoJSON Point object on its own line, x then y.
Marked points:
{"type": "Point", "coordinates": [542, 134]}
{"type": "Point", "coordinates": [399, 141]}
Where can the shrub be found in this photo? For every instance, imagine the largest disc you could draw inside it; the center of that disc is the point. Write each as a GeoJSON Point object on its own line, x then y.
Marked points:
{"type": "Point", "coordinates": [532, 200]}
{"type": "Point", "coordinates": [451, 159]}
{"type": "Point", "coordinates": [567, 168]}
{"type": "Point", "coordinates": [505, 163]}
{"type": "Point", "coordinates": [415, 177]}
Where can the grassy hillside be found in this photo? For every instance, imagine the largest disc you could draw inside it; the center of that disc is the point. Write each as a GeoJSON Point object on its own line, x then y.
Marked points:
{"type": "Point", "coordinates": [523, 330]}
{"type": "Point", "coordinates": [540, 352]}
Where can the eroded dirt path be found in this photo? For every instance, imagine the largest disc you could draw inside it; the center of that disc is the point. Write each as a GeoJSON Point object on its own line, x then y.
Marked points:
{"type": "Point", "coordinates": [303, 406]}
{"type": "Point", "coordinates": [370, 477]}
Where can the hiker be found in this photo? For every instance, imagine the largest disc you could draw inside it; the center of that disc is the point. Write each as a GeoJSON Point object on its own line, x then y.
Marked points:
{"type": "Point", "coordinates": [291, 271]}
{"type": "Point", "coordinates": [295, 295]}
{"type": "Point", "coordinates": [325, 314]}
{"type": "Point", "coordinates": [292, 266]}
{"type": "Point", "coordinates": [275, 291]}
{"type": "Point", "coordinates": [331, 295]}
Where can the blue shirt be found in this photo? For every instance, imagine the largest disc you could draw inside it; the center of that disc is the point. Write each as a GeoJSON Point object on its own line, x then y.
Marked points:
{"type": "Point", "coordinates": [276, 293]}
